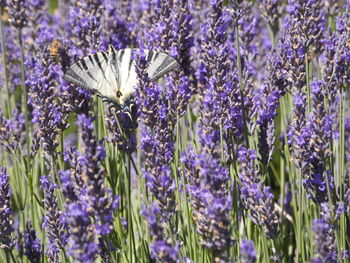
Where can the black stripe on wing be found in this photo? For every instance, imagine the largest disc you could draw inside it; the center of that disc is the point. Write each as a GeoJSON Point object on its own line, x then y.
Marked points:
{"type": "Point", "coordinates": [71, 77]}
{"type": "Point", "coordinates": [86, 71]}
{"type": "Point", "coordinates": [164, 67]}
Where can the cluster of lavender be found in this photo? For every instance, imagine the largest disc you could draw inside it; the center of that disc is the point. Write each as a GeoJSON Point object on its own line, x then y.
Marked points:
{"type": "Point", "coordinates": [12, 132]}
{"type": "Point", "coordinates": [53, 220]}
{"type": "Point", "coordinates": [157, 143]}
{"type": "Point", "coordinates": [208, 190]}
{"type": "Point", "coordinates": [162, 248]}
{"type": "Point", "coordinates": [49, 113]}
{"type": "Point", "coordinates": [99, 197]}
{"type": "Point", "coordinates": [255, 196]}
{"type": "Point", "coordinates": [6, 241]}
{"type": "Point", "coordinates": [203, 138]}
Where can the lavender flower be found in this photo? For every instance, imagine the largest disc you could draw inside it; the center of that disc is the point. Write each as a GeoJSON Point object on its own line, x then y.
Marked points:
{"type": "Point", "coordinates": [255, 196]}
{"type": "Point", "coordinates": [55, 228]}
{"type": "Point", "coordinates": [11, 66]}
{"type": "Point", "coordinates": [121, 126]}
{"type": "Point", "coordinates": [17, 13]}
{"type": "Point", "coordinates": [182, 35]}
{"type": "Point", "coordinates": [100, 197]}
{"type": "Point", "coordinates": [69, 190]}
{"type": "Point", "coordinates": [210, 201]}
{"type": "Point", "coordinates": [342, 60]}
{"type": "Point", "coordinates": [274, 88]}
{"type": "Point", "coordinates": [72, 179]}
{"type": "Point", "coordinates": [271, 11]}
{"type": "Point", "coordinates": [12, 131]}
{"type": "Point", "coordinates": [179, 91]}
{"type": "Point", "coordinates": [179, 86]}
{"type": "Point", "coordinates": [308, 22]}
{"type": "Point", "coordinates": [271, 93]}
{"type": "Point", "coordinates": [82, 245]}
{"type": "Point", "coordinates": [319, 146]}
{"type": "Point", "coordinates": [157, 171]}
{"type": "Point", "coordinates": [117, 29]}
{"type": "Point", "coordinates": [311, 141]}
{"type": "Point", "coordinates": [160, 37]}
{"type": "Point", "coordinates": [38, 19]}
{"type": "Point", "coordinates": [83, 26]}
{"type": "Point", "coordinates": [6, 241]}
{"type": "Point", "coordinates": [247, 251]}
{"type": "Point", "coordinates": [157, 141]}
{"type": "Point", "coordinates": [324, 242]}
{"type": "Point", "coordinates": [296, 134]}
{"type": "Point", "coordinates": [32, 244]}
{"type": "Point", "coordinates": [162, 249]}
{"type": "Point", "coordinates": [219, 92]}
{"type": "Point", "coordinates": [303, 30]}
{"type": "Point", "coordinates": [49, 115]}
{"type": "Point", "coordinates": [212, 42]}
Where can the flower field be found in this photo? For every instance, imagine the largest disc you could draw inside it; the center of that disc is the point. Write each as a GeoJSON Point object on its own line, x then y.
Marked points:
{"type": "Point", "coordinates": [239, 154]}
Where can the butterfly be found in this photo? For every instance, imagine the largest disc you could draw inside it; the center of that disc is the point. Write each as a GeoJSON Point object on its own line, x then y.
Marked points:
{"type": "Point", "coordinates": [112, 75]}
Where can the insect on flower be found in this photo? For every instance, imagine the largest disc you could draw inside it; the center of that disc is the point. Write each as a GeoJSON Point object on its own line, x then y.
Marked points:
{"type": "Point", "coordinates": [54, 48]}
{"type": "Point", "coordinates": [111, 74]}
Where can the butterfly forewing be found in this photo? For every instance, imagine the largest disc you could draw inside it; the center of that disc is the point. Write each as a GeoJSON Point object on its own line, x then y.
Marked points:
{"type": "Point", "coordinates": [89, 71]}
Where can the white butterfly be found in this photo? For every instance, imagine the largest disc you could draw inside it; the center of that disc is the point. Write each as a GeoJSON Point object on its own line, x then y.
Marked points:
{"type": "Point", "coordinates": [112, 73]}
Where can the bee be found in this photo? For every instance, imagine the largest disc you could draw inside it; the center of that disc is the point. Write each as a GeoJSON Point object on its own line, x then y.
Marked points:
{"type": "Point", "coordinates": [54, 49]}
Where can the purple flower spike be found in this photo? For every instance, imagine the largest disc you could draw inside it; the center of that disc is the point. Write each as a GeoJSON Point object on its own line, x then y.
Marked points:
{"type": "Point", "coordinates": [162, 249]}
{"type": "Point", "coordinates": [55, 227]}
{"type": "Point", "coordinates": [99, 197]}
{"type": "Point", "coordinates": [82, 237]}
{"type": "Point", "coordinates": [218, 88]}
{"type": "Point", "coordinates": [148, 93]}
{"type": "Point", "coordinates": [255, 196]}
{"type": "Point", "coordinates": [324, 242]}
{"type": "Point", "coordinates": [12, 56]}
{"type": "Point", "coordinates": [210, 201]}
{"type": "Point", "coordinates": [183, 35]}
{"type": "Point", "coordinates": [6, 241]}
{"type": "Point", "coordinates": [32, 244]}
{"type": "Point", "coordinates": [18, 13]}
{"type": "Point", "coordinates": [248, 253]}
{"type": "Point", "coordinates": [83, 26]}
{"type": "Point", "coordinates": [12, 131]}
{"type": "Point", "coordinates": [271, 11]}
{"type": "Point", "coordinates": [49, 113]}
{"type": "Point", "coordinates": [123, 134]}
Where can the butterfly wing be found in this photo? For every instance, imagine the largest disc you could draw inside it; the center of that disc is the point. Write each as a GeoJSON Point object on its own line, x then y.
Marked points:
{"type": "Point", "coordinates": [158, 65]}
{"type": "Point", "coordinates": [112, 74]}
{"type": "Point", "coordinates": [97, 72]}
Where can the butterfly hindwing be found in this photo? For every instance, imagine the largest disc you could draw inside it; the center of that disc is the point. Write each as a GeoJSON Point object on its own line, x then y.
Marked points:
{"type": "Point", "coordinates": [159, 64]}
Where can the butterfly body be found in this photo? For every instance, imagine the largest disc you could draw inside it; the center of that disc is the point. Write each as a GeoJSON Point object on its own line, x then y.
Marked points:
{"type": "Point", "coordinates": [112, 75]}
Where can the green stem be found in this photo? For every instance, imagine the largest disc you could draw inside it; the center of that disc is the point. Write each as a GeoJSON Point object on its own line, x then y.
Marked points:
{"type": "Point", "coordinates": [24, 96]}
{"type": "Point", "coordinates": [241, 87]}
{"type": "Point", "coordinates": [5, 72]}
{"type": "Point", "coordinates": [308, 90]}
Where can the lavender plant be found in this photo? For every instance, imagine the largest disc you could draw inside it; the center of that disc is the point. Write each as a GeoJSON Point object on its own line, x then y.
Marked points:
{"type": "Point", "coordinates": [240, 154]}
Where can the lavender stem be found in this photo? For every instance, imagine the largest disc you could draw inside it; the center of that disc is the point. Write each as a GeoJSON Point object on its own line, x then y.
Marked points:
{"type": "Point", "coordinates": [240, 75]}
{"type": "Point", "coordinates": [3, 51]}
{"type": "Point", "coordinates": [24, 94]}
